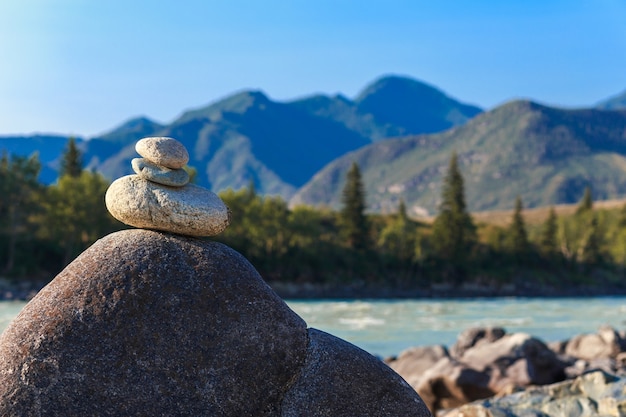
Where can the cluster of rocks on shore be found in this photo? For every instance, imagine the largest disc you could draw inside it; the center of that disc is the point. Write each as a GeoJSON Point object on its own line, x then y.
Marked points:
{"type": "Point", "coordinates": [160, 323]}
{"type": "Point", "coordinates": [519, 375]}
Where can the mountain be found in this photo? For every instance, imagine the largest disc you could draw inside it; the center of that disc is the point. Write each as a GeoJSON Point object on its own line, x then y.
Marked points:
{"type": "Point", "coordinates": [392, 106]}
{"type": "Point", "coordinates": [616, 102]}
{"type": "Point", "coordinates": [96, 150]}
{"type": "Point", "coordinates": [47, 147]}
{"type": "Point", "coordinates": [277, 145]}
{"type": "Point", "coordinates": [105, 146]}
{"type": "Point", "coordinates": [249, 137]}
{"type": "Point", "coordinates": [545, 155]}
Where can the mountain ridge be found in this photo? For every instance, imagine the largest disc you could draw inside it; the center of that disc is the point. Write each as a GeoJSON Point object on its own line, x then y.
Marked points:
{"type": "Point", "coordinates": [285, 146]}
{"type": "Point", "coordinates": [545, 155]}
{"type": "Point", "coordinates": [247, 137]}
{"type": "Point", "coordinates": [615, 102]}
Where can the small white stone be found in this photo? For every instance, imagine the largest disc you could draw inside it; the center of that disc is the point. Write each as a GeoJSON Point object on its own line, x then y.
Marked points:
{"type": "Point", "coordinates": [163, 151]}
{"type": "Point", "coordinates": [188, 210]}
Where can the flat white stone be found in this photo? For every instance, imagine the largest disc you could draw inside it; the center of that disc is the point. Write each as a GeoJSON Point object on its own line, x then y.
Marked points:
{"type": "Point", "coordinates": [188, 210]}
{"type": "Point", "coordinates": [163, 151]}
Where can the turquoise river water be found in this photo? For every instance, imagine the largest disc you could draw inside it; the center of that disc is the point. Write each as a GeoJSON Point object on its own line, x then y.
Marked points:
{"type": "Point", "coordinates": [386, 327]}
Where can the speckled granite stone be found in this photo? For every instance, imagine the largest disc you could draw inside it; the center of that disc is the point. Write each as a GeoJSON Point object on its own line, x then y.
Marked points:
{"type": "Point", "coordinates": [341, 380]}
{"type": "Point", "coordinates": [150, 324]}
{"type": "Point", "coordinates": [164, 151]}
{"type": "Point", "coordinates": [188, 210]}
{"type": "Point", "coordinates": [146, 323]}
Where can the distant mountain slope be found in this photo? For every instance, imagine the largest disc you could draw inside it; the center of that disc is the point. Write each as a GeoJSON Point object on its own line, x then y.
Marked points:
{"type": "Point", "coordinates": [616, 102]}
{"type": "Point", "coordinates": [392, 106]}
{"type": "Point", "coordinates": [48, 148]}
{"type": "Point", "coordinates": [247, 137]}
{"type": "Point", "coordinates": [412, 107]}
{"type": "Point", "coordinates": [103, 147]}
{"type": "Point", "coordinates": [95, 150]}
{"type": "Point", "coordinates": [279, 145]}
{"type": "Point", "coordinates": [545, 155]}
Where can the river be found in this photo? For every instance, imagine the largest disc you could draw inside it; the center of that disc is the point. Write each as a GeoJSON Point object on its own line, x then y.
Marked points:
{"type": "Point", "coordinates": [386, 327]}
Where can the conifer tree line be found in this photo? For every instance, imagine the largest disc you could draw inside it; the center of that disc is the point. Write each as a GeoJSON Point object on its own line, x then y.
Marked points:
{"type": "Point", "coordinates": [42, 228]}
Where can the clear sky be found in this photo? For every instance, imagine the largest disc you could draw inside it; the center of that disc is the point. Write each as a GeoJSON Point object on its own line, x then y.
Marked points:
{"type": "Point", "coordinates": [84, 66]}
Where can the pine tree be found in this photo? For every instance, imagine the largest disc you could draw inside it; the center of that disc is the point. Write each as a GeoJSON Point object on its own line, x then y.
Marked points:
{"type": "Point", "coordinates": [454, 233]}
{"type": "Point", "coordinates": [622, 217]}
{"type": "Point", "coordinates": [586, 203]}
{"type": "Point", "coordinates": [353, 222]}
{"type": "Point", "coordinates": [586, 224]}
{"type": "Point", "coordinates": [618, 245]}
{"type": "Point", "coordinates": [402, 212]}
{"type": "Point", "coordinates": [71, 162]}
{"type": "Point", "coordinates": [589, 251]}
{"type": "Point", "coordinates": [548, 241]}
{"type": "Point", "coordinates": [517, 232]}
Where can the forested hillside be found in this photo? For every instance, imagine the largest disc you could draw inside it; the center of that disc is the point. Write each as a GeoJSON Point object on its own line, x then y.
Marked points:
{"type": "Point", "coordinates": [344, 252]}
{"type": "Point", "coordinates": [543, 154]}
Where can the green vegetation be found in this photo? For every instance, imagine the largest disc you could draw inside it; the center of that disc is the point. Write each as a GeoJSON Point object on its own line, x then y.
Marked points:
{"type": "Point", "coordinates": [354, 227]}
{"type": "Point", "coordinates": [454, 233]}
{"type": "Point", "coordinates": [518, 243]}
{"type": "Point", "coordinates": [18, 194]}
{"type": "Point", "coordinates": [71, 163]}
{"type": "Point", "coordinates": [44, 228]}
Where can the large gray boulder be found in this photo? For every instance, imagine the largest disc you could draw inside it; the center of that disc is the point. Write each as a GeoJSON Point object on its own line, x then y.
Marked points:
{"type": "Point", "coordinates": [341, 380]}
{"type": "Point", "coordinates": [147, 323]}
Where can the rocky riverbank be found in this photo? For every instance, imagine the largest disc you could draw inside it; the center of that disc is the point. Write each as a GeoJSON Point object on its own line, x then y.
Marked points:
{"type": "Point", "coordinates": [21, 290]}
{"type": "Point", "coordinates": [489, 372]}
{"type": "Point", "coordinates": [26, 289]}
{"type": "Point", "coordinates": [362, 290]}
{"type": "Point", "coordinates": [595, 393]}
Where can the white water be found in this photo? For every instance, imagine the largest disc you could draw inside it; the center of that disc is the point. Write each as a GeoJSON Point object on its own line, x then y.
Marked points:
{"type": "Point", "coordinates": [387, 327]}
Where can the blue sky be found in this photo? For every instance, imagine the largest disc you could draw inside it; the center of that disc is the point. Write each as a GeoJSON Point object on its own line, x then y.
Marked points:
{"type": "Point", "coordinates": [84, 66]}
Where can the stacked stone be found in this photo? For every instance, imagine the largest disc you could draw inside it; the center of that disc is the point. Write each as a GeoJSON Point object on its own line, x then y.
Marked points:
{"type": "Point", "coordinates": [160, 197]}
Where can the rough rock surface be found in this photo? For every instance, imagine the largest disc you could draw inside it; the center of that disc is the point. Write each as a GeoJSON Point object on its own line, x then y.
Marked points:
{"type": "Point", "coordinates": [604, 344]}
{"type": "Point", "coordinates": [146, 323]}
{"type": "Point", "coordinates": [592, 394]}
{"type": "Point", "coordinates": [487, 362]}
{"type": "Point", "coordinates": [475, 336]}
{"type": "Point", "coordinates": [450, 383]}
{"type": "Point", "coordinates": [412, 363]}
{"type": "Point", "coordinates": [516, 359]}
{"type": "Point", "coordinates": [188, 210]}
{"type": "Point", "coordinates": [335, 371]}
{"type": "Point", "coordinates": [163, 151]}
